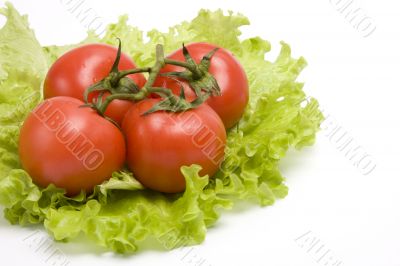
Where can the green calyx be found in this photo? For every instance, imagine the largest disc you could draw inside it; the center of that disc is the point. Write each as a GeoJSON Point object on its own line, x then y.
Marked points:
{"type": "Point", "coordinates": [114, 82]}
{"type": "Point", "coordinates": [121, 87]}
{"type": "Point", "coordinates": [197, 75]}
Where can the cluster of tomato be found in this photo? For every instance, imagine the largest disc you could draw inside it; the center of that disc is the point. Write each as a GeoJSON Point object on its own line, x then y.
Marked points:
{"type": "Point", "coordinates": [64, 143]}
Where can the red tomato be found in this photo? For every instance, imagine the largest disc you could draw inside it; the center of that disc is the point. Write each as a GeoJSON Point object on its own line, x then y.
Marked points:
{"type": "Point", "coordinates": [227, 71]}
{"type": "Point", "coordinates": [81, 67]}
{"type": "Point", "coordinates": [116, 110]}
{"type": "Point", "coordinates": [69, 146]}
{"type": "Point", "coordinates": [158, 144]}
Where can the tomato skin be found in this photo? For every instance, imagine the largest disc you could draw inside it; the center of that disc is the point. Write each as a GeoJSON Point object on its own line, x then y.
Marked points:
{"type": "Point", "coordinates": [71, 147]}
{"type": "Point", "coordinates": [83, 66]}
{"type": "Point", "coordinates": [158, 144]}
{"type": "Point", "coordinates": [229, 74]}
{"type": "Point", "coordinates": [116, 110]}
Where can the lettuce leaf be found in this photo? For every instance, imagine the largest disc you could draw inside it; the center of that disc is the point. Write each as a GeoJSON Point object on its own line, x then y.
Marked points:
{"type": "Point", "coordinates": [22, 68]}
{"type": "Point", "coordinates": [121, 213]}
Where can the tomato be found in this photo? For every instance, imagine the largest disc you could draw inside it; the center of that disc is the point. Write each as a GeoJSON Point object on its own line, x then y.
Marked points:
{"type": "Point", "coordinates": [116, 110]}
{"type": "Point", "coordinates": [158, 144]}
{"type": "Point", "coordinates": [81, 67]}
{"type": "Point", "coordinates": [229, 74]}
{"type": "Point", "coordinates": [69, 146]}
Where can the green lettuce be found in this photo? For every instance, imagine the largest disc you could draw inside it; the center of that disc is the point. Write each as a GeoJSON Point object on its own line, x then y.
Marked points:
{"type": "Point", "coordinates": [120, 214]}
{"type": "Point", "coordinates": [22, 68]}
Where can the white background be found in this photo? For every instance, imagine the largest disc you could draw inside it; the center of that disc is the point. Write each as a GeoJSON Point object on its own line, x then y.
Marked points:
{"type": "Point", "coordinates": [356, 80]}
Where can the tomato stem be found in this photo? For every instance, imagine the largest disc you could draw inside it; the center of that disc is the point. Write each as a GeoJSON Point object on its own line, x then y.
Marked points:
{"type": "Point", "coordinates": [160, 63]}
{"type": "Point", "coordinates": [122, 96]}
{"type": "Point", "coordinates": [197, 75]}
{"type": "Point", "coordinates": [147, 88]}
{"type": "Point", "coordinates": [117, 83]}
{"type": "Point", "coordinates": [124, 73]}
{"type": "Point", "coordinates": [114, 68]}
{"type": "Point", "coordinates": [186, 65]}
